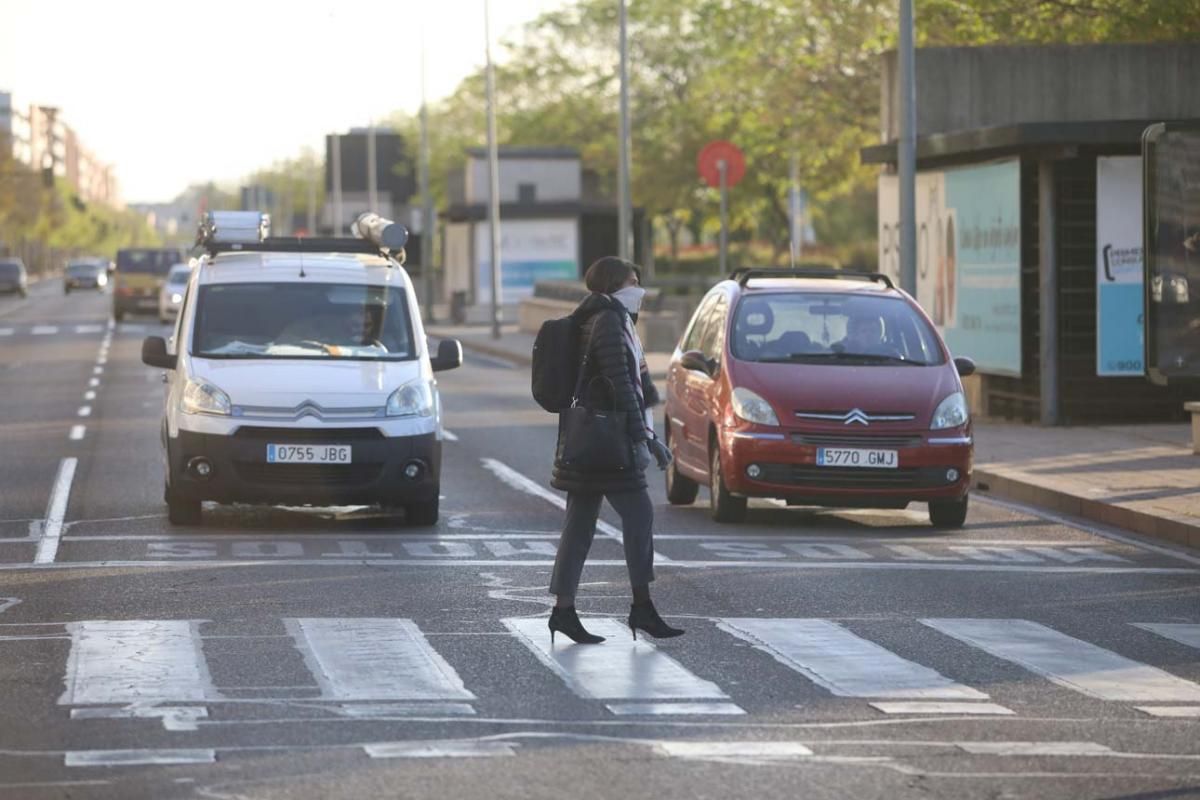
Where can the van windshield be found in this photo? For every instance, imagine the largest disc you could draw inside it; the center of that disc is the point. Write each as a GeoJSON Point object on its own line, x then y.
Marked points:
{"type": "Point", "coordinates": [303, 321]}
{"type": "Point", "coordinates": [10, 269]}
{"type": "Point", "coordinates": [811, 327]}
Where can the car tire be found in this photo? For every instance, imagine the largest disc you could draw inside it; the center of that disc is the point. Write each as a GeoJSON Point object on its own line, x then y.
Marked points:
{"type": "Point", "coordinates": [182, 511]}
{"type": "Point", "coordinates": [948, 513]}
{"type": "Point", "coordinates": [724, 506]}
{"type": "Point", "coordinates": [422, 515]}
{"type": "Point", "coordinates": [681, 490]}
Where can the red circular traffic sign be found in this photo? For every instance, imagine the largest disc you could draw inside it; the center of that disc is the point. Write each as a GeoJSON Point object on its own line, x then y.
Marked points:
{"type": "Point", "coordinates": [709, 159]}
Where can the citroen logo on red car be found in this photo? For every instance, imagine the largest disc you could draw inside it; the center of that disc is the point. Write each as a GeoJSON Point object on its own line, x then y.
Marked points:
{"type": "Point", "coordinates": [857, 415]}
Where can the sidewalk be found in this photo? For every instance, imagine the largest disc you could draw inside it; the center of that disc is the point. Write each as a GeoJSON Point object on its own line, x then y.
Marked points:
{"type": "Point", "coordinates": [1140, 478]}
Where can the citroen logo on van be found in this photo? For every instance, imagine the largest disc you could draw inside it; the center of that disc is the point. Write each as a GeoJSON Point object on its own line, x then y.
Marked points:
{"type": "Point", "coordinates": [857, 415]}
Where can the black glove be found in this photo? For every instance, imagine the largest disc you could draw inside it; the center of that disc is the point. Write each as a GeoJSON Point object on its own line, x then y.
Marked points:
{"type": "Point", "coordinates": [661, 453]}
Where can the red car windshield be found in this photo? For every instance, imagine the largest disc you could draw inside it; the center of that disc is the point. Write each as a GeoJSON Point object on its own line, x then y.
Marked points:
{"type": "Point", "coordinates": [833, 328]}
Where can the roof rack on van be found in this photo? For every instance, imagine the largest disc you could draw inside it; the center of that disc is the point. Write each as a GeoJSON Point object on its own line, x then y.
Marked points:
{"type": "Point", "coordinates": [745, 274]}
{"type": "Point", "coordinates": [247, 231]}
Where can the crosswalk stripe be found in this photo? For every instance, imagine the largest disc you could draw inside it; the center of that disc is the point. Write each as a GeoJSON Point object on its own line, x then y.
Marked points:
{"type": "Point", "coordinates": [622, 672]}
{"type": "Point", "coordinates": [135, 661]}
{"type": "Point", "coordinates": [844, 663]}
{"type": "Point", "coordinates": [1067, 661]}
{"type": "Point", "coordinates": [374, 659]}
{"type": "Point", "coordinates": [1182, 632]}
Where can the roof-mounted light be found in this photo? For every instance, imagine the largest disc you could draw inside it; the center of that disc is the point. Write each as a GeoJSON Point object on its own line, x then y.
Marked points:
{"type": "Point", "coordinates": [233, 227]}
{"type": "Point", "coordinates": [388, 236]}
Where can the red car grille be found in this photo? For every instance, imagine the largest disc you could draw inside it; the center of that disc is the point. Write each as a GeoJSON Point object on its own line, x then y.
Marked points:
{"type": "Point", "coordinates": [889, 441]}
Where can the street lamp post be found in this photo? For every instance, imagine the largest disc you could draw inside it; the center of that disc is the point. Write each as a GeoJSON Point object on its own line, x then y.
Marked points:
{"type": "Point", "coordinates": [624, 200]}
{"type": "Point", "coordinates": [493, 173]}
{"type": "Point", "coordinates": [907, 156]}
{"type": "Point", "coordinates": [427, 226]}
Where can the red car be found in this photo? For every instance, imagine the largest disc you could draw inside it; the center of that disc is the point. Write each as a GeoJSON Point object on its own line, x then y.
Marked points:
{"type": "Point", "coordinates": [817, 388]}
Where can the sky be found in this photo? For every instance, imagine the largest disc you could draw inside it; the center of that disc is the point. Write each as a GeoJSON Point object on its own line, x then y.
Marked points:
{"type": "Point", "coordinates": [173, 93]}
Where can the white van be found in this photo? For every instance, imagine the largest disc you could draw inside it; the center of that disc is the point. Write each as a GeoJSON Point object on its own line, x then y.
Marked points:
{"type": "Point", "coordinates": [300, 374]}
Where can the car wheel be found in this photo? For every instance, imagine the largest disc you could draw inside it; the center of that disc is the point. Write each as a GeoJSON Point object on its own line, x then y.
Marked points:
{"type": "Point", "coordinates": [182, 511]}
{"type": "Point", "coordinates": [681, 490]}
{"type": "Point", "coordinates": [725, 507]}
{"type": "Point", "coordinates": [948, 513]}
{"type": "Point", "coordinates": [422, 515]}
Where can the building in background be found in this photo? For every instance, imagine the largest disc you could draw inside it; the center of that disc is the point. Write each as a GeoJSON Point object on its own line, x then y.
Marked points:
{"type": "Point", "coordinates": [41, 139]}
{"type": "Point", "coordinates": [1030, 176]}
{"type": "Point", "coordinates": [554, 222]}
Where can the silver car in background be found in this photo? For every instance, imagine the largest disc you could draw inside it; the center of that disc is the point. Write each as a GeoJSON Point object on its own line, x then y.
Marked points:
{"type": "Point", "coordinates": [170, 296]}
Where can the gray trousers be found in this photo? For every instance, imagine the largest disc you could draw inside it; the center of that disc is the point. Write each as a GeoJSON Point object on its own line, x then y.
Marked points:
{"type": "Point", "coordinates": [583, 509]}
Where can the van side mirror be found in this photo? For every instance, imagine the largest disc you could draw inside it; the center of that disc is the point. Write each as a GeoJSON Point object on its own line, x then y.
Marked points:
{"type": "Point", "coordinates": [449, 355]}
{"type": "Point", "coordinates": [965, 366]}
{"type": "Point", "coordinates": [695, 360]}
{"type": "Point", "coordinates": [154, 353]}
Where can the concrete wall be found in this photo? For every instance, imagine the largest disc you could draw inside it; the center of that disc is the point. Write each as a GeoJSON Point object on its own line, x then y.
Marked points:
{"type": "Point", "coordinates": [963, 88]}
{"type": "Point", "coordinates": [555, 179]}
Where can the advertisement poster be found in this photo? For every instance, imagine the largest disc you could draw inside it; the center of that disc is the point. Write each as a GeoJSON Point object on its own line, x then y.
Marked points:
{"type": "Point", "coordinates": [530, 251]}
{"type": "Point", "coordinates": [968, 257]}
{"type": "Point", "coordinates": [1120, 335]}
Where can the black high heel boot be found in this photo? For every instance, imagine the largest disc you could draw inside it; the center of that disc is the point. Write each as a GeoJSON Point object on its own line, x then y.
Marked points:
{"type": "Point", "coordinates": [645, 617]}
{"type": "Point", "coordinates": [566, 620]}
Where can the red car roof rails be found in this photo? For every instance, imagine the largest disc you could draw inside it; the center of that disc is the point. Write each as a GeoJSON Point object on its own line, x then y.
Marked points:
{"type": "Point", "coordinates": [745, 274]}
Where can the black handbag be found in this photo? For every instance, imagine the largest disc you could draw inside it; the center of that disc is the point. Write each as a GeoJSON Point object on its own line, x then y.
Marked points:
{"type": "Point", "coordinates": [593, 440]}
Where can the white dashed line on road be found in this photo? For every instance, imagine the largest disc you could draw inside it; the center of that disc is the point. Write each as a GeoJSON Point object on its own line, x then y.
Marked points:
{"type": "Point", "coordinates": [97, 370]}
{"type": "Point", "coordinates": [44, 330]}
{"type": "Point", "coordinates": [125, 758]}
{"type": "Point", "coordinates": [56, 511]}
{"type": "Point", "coordinates": [449, 436]}
{"type": "Point", "coordinates": [89, 395]}
{"type": "Point", "coordinates": [6, 331]}
{"type": "Point", "coordinates": [88, 328]}
{"type": "Point", "coordinates": [85, 411]}
{"type": "Point", "coordinates": [77, 432]}
{"type": "Point", "coordinates": [93, 382]}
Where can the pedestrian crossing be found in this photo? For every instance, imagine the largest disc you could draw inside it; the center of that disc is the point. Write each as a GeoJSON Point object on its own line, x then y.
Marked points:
{"type": "Point", "coordinates": [86, 329]}
{"type": "Point", "coordinates": [373, 667]}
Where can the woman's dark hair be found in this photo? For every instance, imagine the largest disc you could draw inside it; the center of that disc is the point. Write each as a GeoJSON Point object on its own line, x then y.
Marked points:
{"type": "Point", "coordinates": [607, 275]}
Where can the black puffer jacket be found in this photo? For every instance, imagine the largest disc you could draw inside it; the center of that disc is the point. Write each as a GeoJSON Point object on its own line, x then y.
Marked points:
{"type": "Point", "coordinates": [602, 341]}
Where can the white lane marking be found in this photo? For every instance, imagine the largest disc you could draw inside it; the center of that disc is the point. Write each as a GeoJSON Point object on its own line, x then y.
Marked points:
{"type": "Point", "coordinates": [440, 749]}
{"type": "Point", "coordinates": [675, 709]}
{"type": "Point", "coordinates": [56, 511]}
{"type": "Point", "coordinates": [844, 663]}
{"type": "Point", "coordinates": [387, 710]}
{"type": "Point", "coordinates": [521, 483]}
{"type": "Point", "coordinates": [1182, 632]}
{"type": "Point", "coordinates": [89, 395]}
{"type": "Point", "coordinates": [44, 330]}
{"type": "Point", "coordinates": [8, 602]}
{"type": "Point", "coordinates": [101, 360]}
{"type": "Point", "coordinates": [97, 370]}
{"type": "Point", "coordinates": [766, 566]}
{"type": "Point", "coordinates": [917, 707]}
{"type": "Point", "coordinates": [6, 331]}
{"type": "Point", "coordinates": [619, 670]}
{"type": "Point", "coordinates": [374, 659]}
{"type": "Point", "coordinates": [85, 411]}
{"type": "Point", "coordinates": [1036, 749]}
{"type": "Point", "coordinates": [128, 328]}
{"type": "Point", "coordinates": [93, 382]}
{"type": "Point", "coordinates": [88, 328]}
{"type": "Point", "coordinates": [124, 758]}
{"type": "Point", "coordinates": [174, 718]}
{"type": "Point", "coordinates": [77, 432]}
{"type": "Point", "coordinates": [1067, 661]}
{"type": "Point", "coordinates": [136, 661]}
{"type": "Point", "coordinates": [449, 436]}
{"type": "Point", "coordinates": [723, 750]}
{"type": "Point", "coordinates": [1171, 712]}
{"type": "Point", "coordinates": [1103, 533]}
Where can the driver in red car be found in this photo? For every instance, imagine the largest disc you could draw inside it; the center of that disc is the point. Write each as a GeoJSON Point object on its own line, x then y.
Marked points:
{"type": "Point", "coordinates": [864, 335]}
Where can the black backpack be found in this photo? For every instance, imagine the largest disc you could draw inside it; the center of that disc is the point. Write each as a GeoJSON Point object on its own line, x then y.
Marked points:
{"type": "Point", "coordinates": [556, 364]}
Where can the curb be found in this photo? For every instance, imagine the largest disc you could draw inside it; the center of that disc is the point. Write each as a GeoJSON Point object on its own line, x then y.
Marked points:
{"type": "Point", "coordinates": [999, 484]}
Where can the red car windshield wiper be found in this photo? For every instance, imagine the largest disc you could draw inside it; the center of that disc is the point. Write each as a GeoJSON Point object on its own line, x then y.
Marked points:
{"type": "Point", "coordinates": [861, 357]}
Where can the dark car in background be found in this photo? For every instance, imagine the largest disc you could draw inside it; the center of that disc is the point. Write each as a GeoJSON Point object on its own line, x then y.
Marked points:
{"type": "Point", "coordinates": [13, 278]}
{"type": "Point", "coordinates": [85, 274]}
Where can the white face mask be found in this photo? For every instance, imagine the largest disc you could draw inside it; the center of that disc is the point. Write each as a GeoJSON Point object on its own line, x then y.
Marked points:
{"type": "Point", "coordinates": [631, 298]}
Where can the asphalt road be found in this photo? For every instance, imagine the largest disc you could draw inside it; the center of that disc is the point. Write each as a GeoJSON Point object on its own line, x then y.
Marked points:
{"type": "Point", "coordinates": [288, 653]}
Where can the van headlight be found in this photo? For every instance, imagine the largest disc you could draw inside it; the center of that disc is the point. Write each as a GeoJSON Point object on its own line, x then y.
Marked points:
{"type": "Point", "coordinates": [200, 397]}
{"type": "Point", "coordinates": [752, 407]}
{"type": "Point", "coordinates": [951, 413]}
{"type": "Point", "coordinates": [414, 399]}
